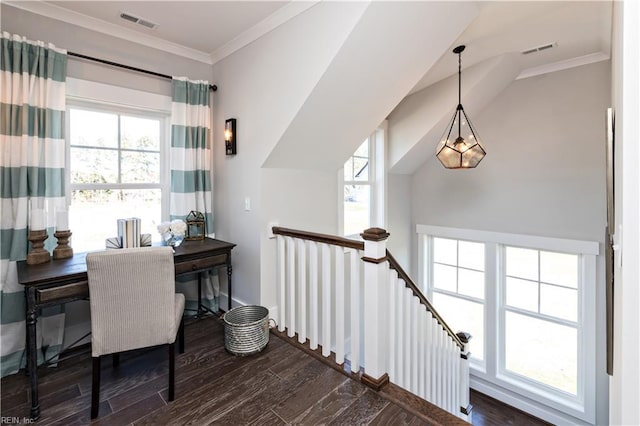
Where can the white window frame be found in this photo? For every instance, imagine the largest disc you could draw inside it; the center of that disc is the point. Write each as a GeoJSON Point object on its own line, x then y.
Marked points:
{"type": "Point", "coordinates": [538, 399]}
{"type": "Point", "coordinates": [93, 96]}
{"type": "Point", "coordinates": [376, 182]}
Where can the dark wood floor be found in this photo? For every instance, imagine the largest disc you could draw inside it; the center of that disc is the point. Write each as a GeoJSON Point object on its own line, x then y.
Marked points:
{"type": "Point", "coordinates": [281, 385]}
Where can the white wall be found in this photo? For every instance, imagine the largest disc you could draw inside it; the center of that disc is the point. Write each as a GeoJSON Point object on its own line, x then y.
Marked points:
{"type": "Point", "coordinates": [544, 173]}
{"type": "Point", "coordinates": [544, 169]}
{"type": "Point", "coordinates": [263, 86]}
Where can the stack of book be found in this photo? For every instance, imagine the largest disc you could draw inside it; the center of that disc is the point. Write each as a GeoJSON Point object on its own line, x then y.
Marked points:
{"type": "Point", "coordinates": [129, 232]}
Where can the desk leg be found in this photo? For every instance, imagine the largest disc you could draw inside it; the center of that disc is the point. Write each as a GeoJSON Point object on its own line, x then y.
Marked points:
{"type": "Point", "coordinates": [32, 351]}
{"type": "Point", "coordinates": [200, 311]}
{"type": "Point", "coordinates": [229, 271]}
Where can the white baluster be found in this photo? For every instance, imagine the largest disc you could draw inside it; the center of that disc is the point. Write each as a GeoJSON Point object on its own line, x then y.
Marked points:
{"type": "Point", "coordinates": [401, 344]}
{"type": "Point", "coordinates": [421, 352]}
{"type": "Point", "coordinates": [302, 291]}
{"type": "Point", "coordinates": [291, 281]}
{"type": "Point", "coordinates": [429, 356]}
{"type": "Point", "coordinates": [281, 283]}
{"type": "Point", "coordinates": [393, 327]}
{"type": "Point", "coordinates": [339, 300]}
{"type": "Point", "coordinates": [438, 365]}
{"type": "Point", "coordinates": [326, 300]}
{"type": "Point", "coordinates": [455, 380]}
{"type": "Point", "coordinates": [414, 343]}
{"type": "Point", "coordinates": [356, 302]}
{"type": "Point", "coordinates": [406, 310]}
{"type": "Point", "coordinates": [313, 295]}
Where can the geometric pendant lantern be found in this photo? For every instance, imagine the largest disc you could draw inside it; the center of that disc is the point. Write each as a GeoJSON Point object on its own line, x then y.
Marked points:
{"type": "Point", "coordinates": [459, 146]}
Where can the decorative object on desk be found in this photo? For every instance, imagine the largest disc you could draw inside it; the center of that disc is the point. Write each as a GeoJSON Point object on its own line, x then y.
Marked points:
{"type": "Point", "coordinates": [62, 251]}
{"type": "Point", "coordinates": [173, 232]}
{"type": "Point", "coordinates": [37, 232]}
{"type": "Point", "coordinates": [114, 242]}
{"type": "Point", "coordinates": [196, 226]}
{"type": "Point", "coordinates": [230, 136]}
{"type": "Point", "coordinates": [62, 233]}
{"type": "Point", "coordinates": [38, 254]}
{"type": "Point", "coordinates": [129, 232]}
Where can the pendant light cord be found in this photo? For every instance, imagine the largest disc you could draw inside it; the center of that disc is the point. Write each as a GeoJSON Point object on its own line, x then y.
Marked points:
{"type": "Point", "coordinates": [459, 93]}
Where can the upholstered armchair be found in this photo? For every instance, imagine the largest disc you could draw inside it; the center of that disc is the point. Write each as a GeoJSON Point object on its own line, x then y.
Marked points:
{"type": "Point", "coordinates": [133, 305]}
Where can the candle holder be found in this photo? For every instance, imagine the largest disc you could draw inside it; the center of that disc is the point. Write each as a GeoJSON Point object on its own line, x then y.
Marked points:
{"type": "Point", "coordinates": [62, 251]}
{"type": "Point", "coordinates": [38, 253]}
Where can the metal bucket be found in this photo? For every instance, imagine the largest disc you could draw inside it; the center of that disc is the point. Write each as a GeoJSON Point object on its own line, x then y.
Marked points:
{"type": "Point", "coordinates": [246, 330]}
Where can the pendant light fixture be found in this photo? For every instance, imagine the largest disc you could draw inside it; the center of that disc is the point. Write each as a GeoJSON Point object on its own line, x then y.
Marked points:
{"type": "Point", "coordinates": [459, 147]}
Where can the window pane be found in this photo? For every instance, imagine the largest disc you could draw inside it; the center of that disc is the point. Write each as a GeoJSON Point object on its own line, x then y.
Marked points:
{"type": "Point", "coordinates": [140, 167]}
{"type": "Point", "coordinates": [93, 214]}
{"type": "Point", "coordinates": [522, 294]}
{"type": "Point", "coordinates": [471, 255]}
{"type": "Point", "coordinates": [444, 277]}
{"type": "Point", "coordinates": [90, 128]}
{"type": "Point", "coordinates": [356, 208]}
{"type": "Point", "coordinates": [522, 263]}
{"type": "Point", "coordinates": [559, 268]}
{"type": "Point", "coordinates": [471, 283]}
{"type": "Point", "coordinates": [463, 315]}
{"type": "Point", "coordinates": [140, 133]}
{"type": "Point", "coordinates": [360, 169]}
{"type": "Point", "coordinates": [93, 165]}
{"type": "Point", "coordinates": [542, 351]}
{"type": "Point", "coordinates": [348, 169]}
{"type": "Point", "coordinates": [445, 251]}
{"type": "Point", "coordinates": [363, 150]}
{"type": "Point", "coordinates": [559, 302]}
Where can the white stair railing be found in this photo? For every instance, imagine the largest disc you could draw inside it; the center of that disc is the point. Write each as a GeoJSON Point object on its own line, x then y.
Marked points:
{"type": "Point", "coordinates": [354, 300]}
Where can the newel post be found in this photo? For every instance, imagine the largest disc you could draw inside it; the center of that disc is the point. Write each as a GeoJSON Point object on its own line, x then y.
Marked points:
{"type": "Point", "coordinates": [465, 404]}
{"type": "Point", "coordinates": [376, 273]}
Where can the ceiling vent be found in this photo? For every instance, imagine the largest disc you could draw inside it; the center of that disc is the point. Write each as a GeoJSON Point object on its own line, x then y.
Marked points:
{"type": "Point", "coordinates": [539, 48]}
{"type": "Point", "coordinates": [136, 20]}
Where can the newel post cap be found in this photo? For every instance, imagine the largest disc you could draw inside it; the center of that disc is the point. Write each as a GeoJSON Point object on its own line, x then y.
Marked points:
{"type": "Point", "coordinates": [375, 234]}
{"type": "Point", "coordinates": [464, 337]}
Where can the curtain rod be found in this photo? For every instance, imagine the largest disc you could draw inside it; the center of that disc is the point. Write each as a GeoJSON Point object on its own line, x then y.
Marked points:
{"type": "Point", "coordinates": [115, 64]}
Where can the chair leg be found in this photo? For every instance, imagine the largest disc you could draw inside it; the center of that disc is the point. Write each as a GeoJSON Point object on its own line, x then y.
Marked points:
{"type": "Point", "coordinates": [116, 360]}
{"type": "Point", "coordinates": [95, 388]}
{"type": "Point", "coordinates": [172, 369]}
{"type": "Point", "coordinates": [181, 337]}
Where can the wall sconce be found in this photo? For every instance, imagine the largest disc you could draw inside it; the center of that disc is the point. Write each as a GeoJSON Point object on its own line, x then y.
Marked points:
{"type": "Point", "coordinates": [230, 136]}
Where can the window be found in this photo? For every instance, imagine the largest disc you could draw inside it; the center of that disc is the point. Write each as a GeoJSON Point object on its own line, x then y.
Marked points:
{"type": "Point", "coordinates": [362, 202]}
{"type": "Point", "coordinates": [115, 171]}
{"type": "Point", "coordinates": [523, 300]}
{"type": "Point", "coordinates": [357, 191]}
{"type": "Point", "coordinates": [458, 287]}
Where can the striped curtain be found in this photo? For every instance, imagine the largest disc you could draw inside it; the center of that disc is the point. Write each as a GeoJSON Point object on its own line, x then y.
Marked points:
{"type": "Point", "coordinates": [32, 166]}
{"type": "Point", "coordinates": [190, 162]}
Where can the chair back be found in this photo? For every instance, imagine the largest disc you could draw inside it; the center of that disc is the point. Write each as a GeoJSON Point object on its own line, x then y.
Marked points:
{"type": "Point", "coordinates": [132, 297]}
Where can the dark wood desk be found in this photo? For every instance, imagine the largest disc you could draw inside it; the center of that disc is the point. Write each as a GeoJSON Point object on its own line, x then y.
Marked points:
{"type": "Point", "coordinates": [65, 280]}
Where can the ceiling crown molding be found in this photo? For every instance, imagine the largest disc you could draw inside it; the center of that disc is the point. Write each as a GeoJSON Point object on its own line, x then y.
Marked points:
{"type": "Point", "coordinates": [263, 27]}
{"type": "Point", "coordinates": [98, 25]}
{"type": "Point", "coordinates": [563, 65]}
{"type": "Point", "coordinates": [271, 22]}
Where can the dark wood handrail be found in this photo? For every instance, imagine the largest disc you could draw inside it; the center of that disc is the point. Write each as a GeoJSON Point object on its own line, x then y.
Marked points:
{"type": "Point", "coordinates": [393, 264]}
{"type": "Point", "coordinates": [320, 238]}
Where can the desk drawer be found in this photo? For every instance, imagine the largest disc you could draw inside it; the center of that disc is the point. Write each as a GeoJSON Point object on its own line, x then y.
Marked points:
{"type": "Point", "coordinates": [200, 264]}
{"type": "Point", "coordinates": [76, 290]}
